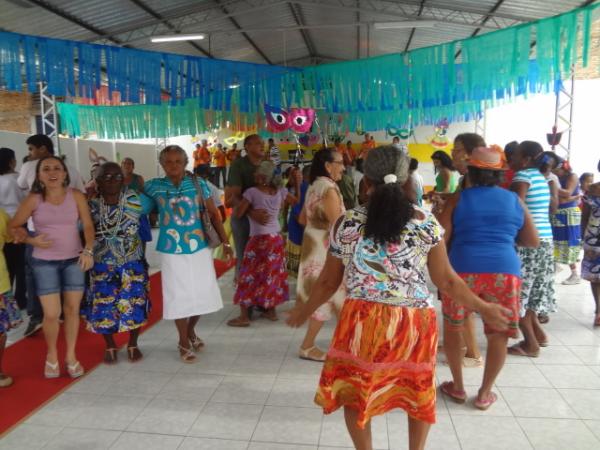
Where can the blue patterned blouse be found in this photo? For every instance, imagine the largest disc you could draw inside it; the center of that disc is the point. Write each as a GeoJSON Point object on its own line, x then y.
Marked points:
{"type": "Point", "coordinates": [180, 226]}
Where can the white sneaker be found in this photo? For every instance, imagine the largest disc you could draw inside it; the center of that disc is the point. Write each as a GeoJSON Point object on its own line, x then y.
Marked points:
{"type": "Point", "coordinates": [573, 279]}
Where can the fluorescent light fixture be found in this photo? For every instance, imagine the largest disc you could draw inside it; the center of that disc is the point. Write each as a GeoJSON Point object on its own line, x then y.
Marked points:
{"type": "Point", "coordinates": [178, 37]}
{"type": "Point", "coordinates": [404, 24]}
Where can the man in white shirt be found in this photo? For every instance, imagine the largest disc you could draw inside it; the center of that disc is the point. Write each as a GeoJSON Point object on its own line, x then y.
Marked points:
{"type": "Point", "coordinates": [41, 146]}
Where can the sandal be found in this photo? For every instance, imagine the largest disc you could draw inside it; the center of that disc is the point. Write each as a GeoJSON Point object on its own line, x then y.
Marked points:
{"type": "Point", "coordinates": [75, 370]}
{"type": "Point", "coordinates": [238, 322]}
{"type": "Point", "coordinates": [485, 404]}
{"type": "Point", "coordinates": [197, 343]}
{"type": "Point", "coordinates": [517, 350]}
{"type": "Point", "coordinates": [306, 354]}
{"type": "Point", "coordinates": [469, 362]}
{"type": "Point", "coordinates": [447, 388]}
{"type": "Point", "coordinates": [110, 356]}
{"type": "Point", "coordinates": [187, 356]}
{"type": "Point", "coordinates": [272, 317]}
{"type": "Point", "coordinates": [134, 354]}
{"type": "Point", "coordinates": [5, 381]}
{"type": "Point", "coordinates": [51, 370]}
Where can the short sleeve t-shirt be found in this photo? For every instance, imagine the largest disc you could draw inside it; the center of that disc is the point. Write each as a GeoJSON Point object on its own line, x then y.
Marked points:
{"type": "Point", "coordinates": [393, 273]}
{"type": "Point", "coordinates": [180, 226]}
{"type": "Point", "coordinates": [269, 202]}
{"type": "Point", "coordinates": [241, 173]}
{"type": "Point", "coordinates": [537, 200]}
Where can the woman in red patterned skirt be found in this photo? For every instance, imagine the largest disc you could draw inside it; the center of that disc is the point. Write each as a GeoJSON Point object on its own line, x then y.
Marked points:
{"type": "Point", "coordinates": [383, 351]}
{"type": "Point", "coordinates": [262, 280]}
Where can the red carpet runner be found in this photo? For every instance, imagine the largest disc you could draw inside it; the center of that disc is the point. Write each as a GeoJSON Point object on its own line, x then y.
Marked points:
{"type": "Point", "coordinates": [24, 361]}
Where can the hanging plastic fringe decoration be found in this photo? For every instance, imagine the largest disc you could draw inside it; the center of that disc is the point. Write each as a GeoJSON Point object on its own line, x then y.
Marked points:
{"type": "Point", "coordinates": [148, 121]}
{"type": "Point", "coordinates": [140, 76]}
{"type": "Point", "coordinates": [418, 87]}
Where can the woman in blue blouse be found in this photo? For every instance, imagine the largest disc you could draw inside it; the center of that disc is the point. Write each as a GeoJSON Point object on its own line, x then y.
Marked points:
{"type": "Point", "coordinates": [189, 282]}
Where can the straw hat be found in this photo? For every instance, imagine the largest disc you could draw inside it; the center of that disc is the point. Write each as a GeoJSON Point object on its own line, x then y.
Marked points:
{"type": "Point", "coordinates": [491, 158]}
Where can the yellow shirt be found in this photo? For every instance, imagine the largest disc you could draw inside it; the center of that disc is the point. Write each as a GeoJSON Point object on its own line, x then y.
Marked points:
{"type": "Point", "coordinates": [4, 238]}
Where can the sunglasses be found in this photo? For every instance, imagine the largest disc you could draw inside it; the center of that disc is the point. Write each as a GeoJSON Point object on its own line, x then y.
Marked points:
{"type": "Point", "coordinates": [111, 177]}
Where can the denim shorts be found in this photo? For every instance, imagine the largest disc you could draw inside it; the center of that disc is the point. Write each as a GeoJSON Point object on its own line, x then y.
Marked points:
{"type": "Point", "coordinates": [55, 277]}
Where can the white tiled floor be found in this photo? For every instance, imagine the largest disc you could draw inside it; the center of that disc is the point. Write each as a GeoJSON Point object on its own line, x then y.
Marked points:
{"type": "Point", "coordinates": [250, 391]}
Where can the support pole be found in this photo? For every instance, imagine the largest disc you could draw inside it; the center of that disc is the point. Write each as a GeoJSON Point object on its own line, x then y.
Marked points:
{"type": "Point", "coordinates": [48, 114]}
{"type": "Point", "coordinates": [563, 115]}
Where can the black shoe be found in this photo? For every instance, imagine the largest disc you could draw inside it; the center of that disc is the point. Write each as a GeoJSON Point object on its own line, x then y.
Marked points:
{"type": "Point", "coordinates": [33, 327]}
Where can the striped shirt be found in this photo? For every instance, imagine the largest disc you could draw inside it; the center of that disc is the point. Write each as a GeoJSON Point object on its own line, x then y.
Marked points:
{"type": "Point", "coordinates": [537, 200]}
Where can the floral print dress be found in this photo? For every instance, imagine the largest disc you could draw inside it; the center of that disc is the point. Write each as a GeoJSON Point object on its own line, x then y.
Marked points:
{"type": "Point", "coordinates": [315, 244]}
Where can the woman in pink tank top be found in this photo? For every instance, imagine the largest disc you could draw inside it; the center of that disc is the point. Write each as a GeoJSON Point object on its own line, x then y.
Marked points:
{"type": "Point", "coordinates": [59, 260]}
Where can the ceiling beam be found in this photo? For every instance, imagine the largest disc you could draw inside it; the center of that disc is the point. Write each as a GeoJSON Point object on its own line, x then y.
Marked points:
{"type": "Point", "coordinates": [189, 17]}
{"type": "Point", "coordinates": [76, 20]}
{"type": "Point", "coordinates": [312, 60]}
{"type": "Point", "coordinates": [412, 32]}
{"type": "Point", "coordinates": [299, 18]}
{"type": "Point", "coordinates": [358, 30]}
{"type": "Point", "coordinates": [427, 15]}
{"type": "Point", "coordinates": [248, 38]}
{"type": "Point", "coordinates": [140, 4]}
{"type": "Point", "coordinates": [483, 22]}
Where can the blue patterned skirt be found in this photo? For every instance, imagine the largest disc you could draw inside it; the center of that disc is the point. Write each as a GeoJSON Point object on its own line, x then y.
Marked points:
{"type": "Point", "coordinates": [10, 316]}
{"type": "Point", "coordinates": [117, 298]}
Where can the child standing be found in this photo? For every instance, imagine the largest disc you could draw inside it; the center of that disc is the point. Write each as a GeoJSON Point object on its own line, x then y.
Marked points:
{"type": "Point", "coordinates": [262, 280]}
{"type": "Point", "coordinates": [9, 311]}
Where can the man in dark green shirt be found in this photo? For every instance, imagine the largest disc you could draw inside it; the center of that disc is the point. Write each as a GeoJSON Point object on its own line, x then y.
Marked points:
{"type": "Point", "coordinates": [241, 177]}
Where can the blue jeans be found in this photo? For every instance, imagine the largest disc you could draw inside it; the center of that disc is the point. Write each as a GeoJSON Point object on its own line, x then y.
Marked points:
{"type": "Point", "coordinates": [34, 307]}
{"type": "Point", "coordinates": [55, 277]}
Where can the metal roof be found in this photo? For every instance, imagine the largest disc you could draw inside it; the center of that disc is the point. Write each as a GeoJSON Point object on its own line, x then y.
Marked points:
{"type": "Point", "coordinates": [301, 32]}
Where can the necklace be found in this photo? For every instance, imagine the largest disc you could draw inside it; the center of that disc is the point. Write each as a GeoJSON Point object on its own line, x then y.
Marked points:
{"type": "Point", "coordinates": [109, 223]}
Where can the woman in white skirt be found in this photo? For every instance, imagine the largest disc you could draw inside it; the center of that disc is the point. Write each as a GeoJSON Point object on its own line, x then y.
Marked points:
{"type": "Point", "coordinates": [189, 282]}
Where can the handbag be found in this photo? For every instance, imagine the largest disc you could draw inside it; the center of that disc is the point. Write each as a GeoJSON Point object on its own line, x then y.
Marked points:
{"type": "Point", "coordinates": [210, 232]}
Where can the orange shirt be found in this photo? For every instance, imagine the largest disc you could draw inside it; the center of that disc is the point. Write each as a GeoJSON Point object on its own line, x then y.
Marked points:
{"type": "Point", "coordinates": [201, 157]}
{"type": "Point", "coordinates": [365, 147]}
{"type": "Point", "coordinates": [220, 158]}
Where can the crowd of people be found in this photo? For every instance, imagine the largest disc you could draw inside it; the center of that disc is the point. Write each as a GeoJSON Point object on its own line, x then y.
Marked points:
{"type": "Point", "coordinates": [359, 240]}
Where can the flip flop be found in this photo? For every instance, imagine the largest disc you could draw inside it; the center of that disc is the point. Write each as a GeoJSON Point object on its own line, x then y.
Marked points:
{"type": "Point", "coordinates": [268, 317]}
{"type": "Point", "coordinates": [110, 356]}
{"type": "Point", "coordinates": [447, 388]}
{"type": "Point", "coordinates": [485, 404]}
{"type": "Point", "coordinates": [517, 350]}
{"type": "Point", "coordinates": [239, 323]}
{"type": "Point", "coordinates": [306, 354]}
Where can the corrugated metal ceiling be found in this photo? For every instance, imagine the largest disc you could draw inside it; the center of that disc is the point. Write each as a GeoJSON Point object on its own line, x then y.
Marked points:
{"type": "Point", "coordinates": [337, 28]}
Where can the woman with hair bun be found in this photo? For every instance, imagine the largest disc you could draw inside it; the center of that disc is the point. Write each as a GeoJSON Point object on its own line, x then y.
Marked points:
{"type": "Point", "coordinates": [383, 350]}
{"type": "Point", "coordinates": [263, 279]}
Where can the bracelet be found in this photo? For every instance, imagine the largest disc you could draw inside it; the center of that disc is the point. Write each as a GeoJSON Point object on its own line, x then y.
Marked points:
{"type": "Point", "coordinates": [226, 244]}
{"type": "Point", "coordinates": [88, 252]}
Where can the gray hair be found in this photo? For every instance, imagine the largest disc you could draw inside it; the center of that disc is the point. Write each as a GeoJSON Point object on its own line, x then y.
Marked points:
{"type": "Point", "coordinates": [267, 169]}
{"type": "Point", "coordinates": [386, 160]}
{"type": "Point", "coordinates": [169, 149]}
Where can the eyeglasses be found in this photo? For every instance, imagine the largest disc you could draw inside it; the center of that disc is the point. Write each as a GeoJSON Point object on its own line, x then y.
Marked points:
{"type": "Point", "coordinates": [111, 177]}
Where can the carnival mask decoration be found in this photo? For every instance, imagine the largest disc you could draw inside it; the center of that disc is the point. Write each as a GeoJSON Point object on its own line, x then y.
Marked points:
{"type": "Point", "coordinates": [299, 120]}
{"type": "Point", "coordinates": [439, 139]}
{"type": "Point", "coordinates": [402, 133]}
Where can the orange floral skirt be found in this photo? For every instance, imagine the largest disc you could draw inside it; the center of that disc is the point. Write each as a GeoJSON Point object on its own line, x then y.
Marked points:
{"type": "Point", "coordinates": [382, 357]}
